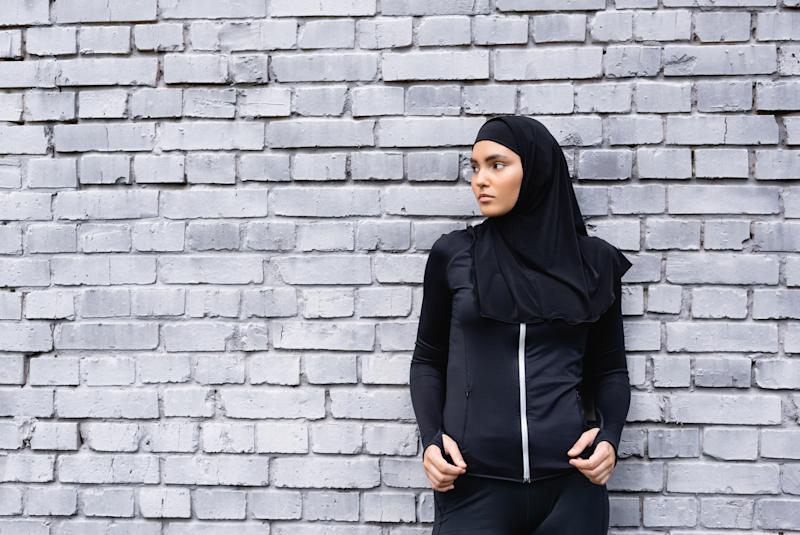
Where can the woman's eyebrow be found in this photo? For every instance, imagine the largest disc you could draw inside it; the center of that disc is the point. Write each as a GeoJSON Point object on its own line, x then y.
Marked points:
{"type": "Point", "coordinates": [489, 158]}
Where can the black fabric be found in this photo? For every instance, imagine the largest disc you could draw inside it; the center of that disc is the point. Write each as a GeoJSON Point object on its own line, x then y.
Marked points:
{"type": "Point", "coordinates": [534, 263]}
{"type": "Point", "coordinates": [464, 374]}
{"type": "Point", "coordinates": [568, 505]}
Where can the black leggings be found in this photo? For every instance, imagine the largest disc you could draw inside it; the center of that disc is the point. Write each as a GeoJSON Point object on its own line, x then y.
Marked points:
{"type": "Point", "coordinates": [563, 505]}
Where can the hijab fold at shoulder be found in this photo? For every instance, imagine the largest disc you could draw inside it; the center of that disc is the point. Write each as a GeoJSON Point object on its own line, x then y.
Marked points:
{"type": "Point", "coordinates": [536, 262]}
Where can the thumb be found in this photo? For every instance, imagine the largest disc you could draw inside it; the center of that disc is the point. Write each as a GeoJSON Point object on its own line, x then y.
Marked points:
{"type": "Point", "coordinates": [455, 453]}
{"type": "Point", "coordinates": [579, 445]}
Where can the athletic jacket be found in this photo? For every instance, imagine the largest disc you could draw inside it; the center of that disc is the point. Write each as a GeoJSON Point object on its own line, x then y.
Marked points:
{"type": "Point", "coordinates": [514, 397]}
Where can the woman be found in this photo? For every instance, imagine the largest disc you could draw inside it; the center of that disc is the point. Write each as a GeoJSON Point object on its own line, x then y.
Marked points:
{"type": "Point", "coordinates": [520, 333]}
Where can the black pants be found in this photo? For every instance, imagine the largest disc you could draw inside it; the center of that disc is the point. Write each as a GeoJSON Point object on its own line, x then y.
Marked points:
{"type": "Point", "coordinates": [563, 505]}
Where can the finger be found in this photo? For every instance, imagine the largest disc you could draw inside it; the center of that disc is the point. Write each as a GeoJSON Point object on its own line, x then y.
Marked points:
{"type": "Point", "coordinates": [602, 456]}
{"type": "Point", "coordinates": [586, 438]}
{"type": "Point", "coordinates": [455, 454]}
{"type": "Point", "coordinates": [592, 476]}
{"type": "Point", "coordinates": [443, 470]}
{"type": "Point", "coordinates": [444, 487]}
{"type": "Point", "coordinates": [435, 463]}
{"type": "Point", "coordinates": [438, 480]}
{"type": "Point", "coordinates": [589, 466]}
{"type": "Point", "coordinates": [578, 447]}
{"type": "Point", "coordinates": [584, 464]}
{"type": "Point", "coordinates": [578, 463]}
{"type": "Point", "coordinates": [574, 451]}
{"type": "Point", "coordinates": [595, 475]}
{"type": "Point", "coordinates": [602, 469]}
{"type": "Point", "coordinates": [451, 447]}
{"type": "Point", "coordinates": [591, 473]}
{"type": "Point", "coordinates": [446, 468]}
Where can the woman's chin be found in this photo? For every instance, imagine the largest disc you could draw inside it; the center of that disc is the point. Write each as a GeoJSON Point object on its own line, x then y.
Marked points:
{"type": "Point", "coordinates": [490, 211]}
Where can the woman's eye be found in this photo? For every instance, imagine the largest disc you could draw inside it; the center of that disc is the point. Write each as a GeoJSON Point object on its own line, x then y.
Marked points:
{"type": "Point", "coordinates": [475, 169]}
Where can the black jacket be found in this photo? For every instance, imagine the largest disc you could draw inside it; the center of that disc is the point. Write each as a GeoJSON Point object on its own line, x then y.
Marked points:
{"type": "Point", "coordinates": [466, 376]}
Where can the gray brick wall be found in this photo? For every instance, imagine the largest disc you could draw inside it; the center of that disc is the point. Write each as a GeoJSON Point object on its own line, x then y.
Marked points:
{"type": "Point", "coordinates": [216, 216]}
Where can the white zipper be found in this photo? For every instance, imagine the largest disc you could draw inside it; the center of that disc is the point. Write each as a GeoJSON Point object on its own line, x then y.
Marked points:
{"type": "Point", "coordinates": [523, 419]}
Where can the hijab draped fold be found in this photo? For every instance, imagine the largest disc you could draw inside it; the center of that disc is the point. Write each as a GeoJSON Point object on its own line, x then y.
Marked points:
{"type": "Point", "coordinates": [536, 262]}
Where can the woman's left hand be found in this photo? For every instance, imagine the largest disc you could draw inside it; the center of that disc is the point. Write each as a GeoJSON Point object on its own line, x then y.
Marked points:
{"type": "Point", "coordinates": [600, 464]}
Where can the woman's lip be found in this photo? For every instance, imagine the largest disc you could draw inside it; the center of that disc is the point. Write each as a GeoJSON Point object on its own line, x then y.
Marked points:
{"type": "Point", "coordinates": [481, 197]}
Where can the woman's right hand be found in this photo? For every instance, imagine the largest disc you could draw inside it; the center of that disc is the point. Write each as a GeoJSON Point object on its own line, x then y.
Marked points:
{"type": "Point", "coordinates": [441, 473]}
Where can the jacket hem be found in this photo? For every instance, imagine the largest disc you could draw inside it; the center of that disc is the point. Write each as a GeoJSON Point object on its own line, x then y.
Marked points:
{"type": "Point", "coordinates": [521, 480]}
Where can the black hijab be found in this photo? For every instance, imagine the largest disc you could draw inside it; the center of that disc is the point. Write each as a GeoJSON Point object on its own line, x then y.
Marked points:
{"type": "Point", "coordinates": [536, 262]}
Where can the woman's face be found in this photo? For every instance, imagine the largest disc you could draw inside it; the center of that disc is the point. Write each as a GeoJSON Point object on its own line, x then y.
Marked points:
{"type": "Point", "coordinates": [496, 177]}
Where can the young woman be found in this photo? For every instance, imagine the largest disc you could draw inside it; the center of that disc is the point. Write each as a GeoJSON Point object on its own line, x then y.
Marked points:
{"type": "Point", "coordinates": [520, 334]}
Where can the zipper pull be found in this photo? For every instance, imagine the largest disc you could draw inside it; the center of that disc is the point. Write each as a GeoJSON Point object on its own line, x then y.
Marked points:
{"type": "Point", "coordinates": [467, 390]}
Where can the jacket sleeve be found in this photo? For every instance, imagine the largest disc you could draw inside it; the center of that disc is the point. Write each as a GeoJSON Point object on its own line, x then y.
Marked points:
{"type": "Point", "coordinates": [427, 376]}
{"type": "Point", "coordinates": [606, 370]}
